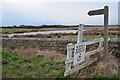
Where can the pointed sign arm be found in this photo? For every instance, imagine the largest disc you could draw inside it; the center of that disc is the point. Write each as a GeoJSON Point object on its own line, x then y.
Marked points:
{"type": "Point", "coordinates": [96, 12]}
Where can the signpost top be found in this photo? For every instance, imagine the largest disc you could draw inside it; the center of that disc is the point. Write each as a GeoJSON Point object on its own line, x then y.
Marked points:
{"type": "Point", "coordinates": [97, 12]}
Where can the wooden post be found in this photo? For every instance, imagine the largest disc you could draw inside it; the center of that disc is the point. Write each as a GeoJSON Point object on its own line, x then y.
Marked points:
{"type": "Point", "coordinates": [68, 59]}
{"type": "Point", "coordinates": [106, 9]}
{"type": "Point", "coordinates": [105, 12]}
{"type": "Point", "coordinates": [80, 33]}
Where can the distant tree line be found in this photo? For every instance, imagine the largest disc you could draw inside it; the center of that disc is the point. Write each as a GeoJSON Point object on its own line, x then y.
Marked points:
{"type": "Point", "coordinates": [52, 26]}
{"type": "Point", "coordinates": [40, 26]}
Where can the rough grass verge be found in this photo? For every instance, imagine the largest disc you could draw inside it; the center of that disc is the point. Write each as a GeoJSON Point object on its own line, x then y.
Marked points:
{"type": "Point", "coordinates": [18, 66]}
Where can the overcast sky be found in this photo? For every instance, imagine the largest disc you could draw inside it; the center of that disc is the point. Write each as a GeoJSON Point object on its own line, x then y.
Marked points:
{"type": "Point", "coordinates": [37, 12]}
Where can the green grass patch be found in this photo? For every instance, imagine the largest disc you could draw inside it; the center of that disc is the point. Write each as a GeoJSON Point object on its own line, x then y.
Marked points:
{"type": "Point", "coordinates": [20, 66]}
{"type": "Point", "coordinates": [114, 76]}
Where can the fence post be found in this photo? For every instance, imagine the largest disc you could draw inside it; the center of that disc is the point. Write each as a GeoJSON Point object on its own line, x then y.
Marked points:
{"type": "Point", "coordinates": [69, 58]}
{"type": "Point", "coordinates": [106, 9]}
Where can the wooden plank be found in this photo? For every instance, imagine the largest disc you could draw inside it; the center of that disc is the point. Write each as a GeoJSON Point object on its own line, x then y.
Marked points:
{"type": "Point", "coordinates": [94, 51]}
{"type": "Point", "coordinates": [71, 71]}
{"type": "Point", "coordinates": [96, 12]}
{"type": "Point", "coordinates": [93, 41]}
{"type": "Point", "coordinates": [88, 54]}
{"type": "Point", "coordinates": [79, 53]}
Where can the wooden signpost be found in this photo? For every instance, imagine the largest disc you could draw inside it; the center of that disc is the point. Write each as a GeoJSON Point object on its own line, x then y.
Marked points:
{"type": "Point", "coordinates": [77, 53]}
{"type": "Point", "coordinates": [106, 14]}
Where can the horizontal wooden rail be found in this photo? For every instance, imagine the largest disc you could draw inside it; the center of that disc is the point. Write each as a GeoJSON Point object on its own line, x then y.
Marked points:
{"type": "Point", "coordinates": [76, 68]}
{"type": "Point", "coordinates": [70, 57]}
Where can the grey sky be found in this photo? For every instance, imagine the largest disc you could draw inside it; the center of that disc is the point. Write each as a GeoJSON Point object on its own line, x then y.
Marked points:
{"type": "Point", "coordinates": [32, 12]}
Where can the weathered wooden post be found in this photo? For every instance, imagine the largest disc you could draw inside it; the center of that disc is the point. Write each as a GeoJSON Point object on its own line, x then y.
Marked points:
{"type": "Point", "coordinates": [80, 33]}
{"type": "Point", "coordinates": [106, 30]}
{"type": "Point", "coordinates": [106, 14]}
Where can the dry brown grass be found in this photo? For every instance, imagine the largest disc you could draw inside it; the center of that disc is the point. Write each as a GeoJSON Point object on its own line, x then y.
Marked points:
{"type": "Point", "coordinates": [108, 65]}
{"type": "Point", "coordinates": [51, 55]}
{"type": "Point", "coordinates": [41, 53]}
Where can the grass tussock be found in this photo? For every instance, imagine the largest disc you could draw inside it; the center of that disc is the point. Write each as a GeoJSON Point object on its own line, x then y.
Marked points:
{"type": "Point", "coordinates": [19, 66]}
